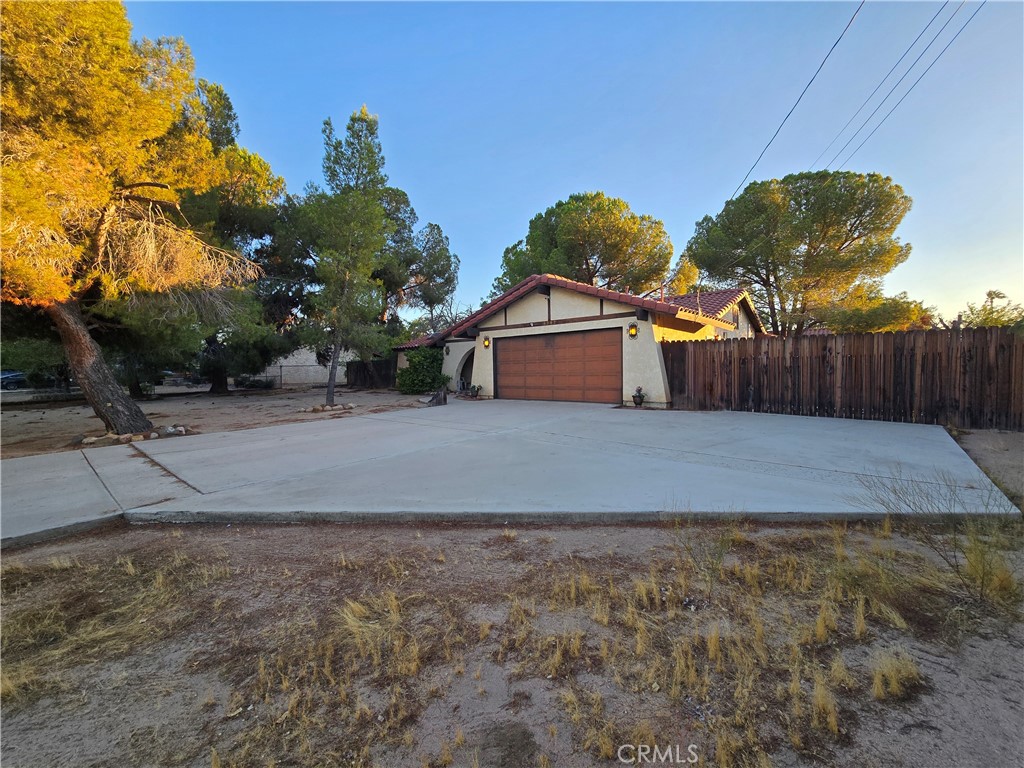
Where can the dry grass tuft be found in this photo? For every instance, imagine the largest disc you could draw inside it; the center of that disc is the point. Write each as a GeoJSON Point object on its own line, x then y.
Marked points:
{"type": "Point", "coordinates": [860, 625]}
{"type": "Point", "coordinates": [839, 675]}
{"type": "Point", "coordinates": [379, 630]}
{"type": "Point", "coordinates": [824, 713]}
{"type": "Point", "coordinates": [893, 672]}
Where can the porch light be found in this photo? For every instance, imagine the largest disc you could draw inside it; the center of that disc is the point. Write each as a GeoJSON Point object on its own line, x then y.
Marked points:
{"type": "Point", "coordinates": [633, 330]}
{"type": "Point", "coordinates": [487, 342]}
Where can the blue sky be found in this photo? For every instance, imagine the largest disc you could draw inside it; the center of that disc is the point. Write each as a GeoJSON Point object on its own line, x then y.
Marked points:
{"type": "Point", "coordinates": [491, 112]}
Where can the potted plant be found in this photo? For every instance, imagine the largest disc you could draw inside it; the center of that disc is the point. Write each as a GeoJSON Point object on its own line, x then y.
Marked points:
{"type": "Point", "coordinates": [639, 396]}
{"type": "Point", "coordinates": [474, 390]}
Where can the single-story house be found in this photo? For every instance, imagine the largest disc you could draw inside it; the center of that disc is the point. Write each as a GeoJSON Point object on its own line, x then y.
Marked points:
{"type": "Point", "coordinates": [549, 338]}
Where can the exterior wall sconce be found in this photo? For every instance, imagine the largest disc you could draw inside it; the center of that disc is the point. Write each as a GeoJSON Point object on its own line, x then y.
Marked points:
{"type": "Point", "coordinates": [633, 330]}
{"type": "Point", "coordinates": [447, 350]}
{"type": "Point", "coordinates": [487, 342]}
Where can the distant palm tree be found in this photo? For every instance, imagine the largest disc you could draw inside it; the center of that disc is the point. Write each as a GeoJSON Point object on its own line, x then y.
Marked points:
{"type": "Point", "coordinates": [991, 296]}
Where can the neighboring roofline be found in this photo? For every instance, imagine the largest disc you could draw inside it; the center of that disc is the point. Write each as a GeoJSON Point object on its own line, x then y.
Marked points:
{"type": "Point", "coordinates": [753, 313]}
{"type": "Point", "coordinates": [523, 288]}
{"type": "Point", "coordinates": [429, 340]}
{"type": "Point", "coordinates": [741, 296]}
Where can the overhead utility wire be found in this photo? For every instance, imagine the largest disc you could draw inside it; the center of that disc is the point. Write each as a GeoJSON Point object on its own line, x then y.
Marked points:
{"type": "Point", "coordinates": [848, 24]}
{"type": "Point", "coordinates": [764, 237]}
{"type": "Point", "coordinates": [897, 85]}
{"type": "Point", "coordinates": [880, 84]}
{"type": "Point", "coordinates": [915, 83]}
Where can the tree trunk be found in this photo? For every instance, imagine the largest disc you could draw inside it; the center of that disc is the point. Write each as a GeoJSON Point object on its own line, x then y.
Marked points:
{"type": "Point", "coordinates": [118, 412]}
{"type": "Point", "coordinates": [215, 365]}
{"type": "Point", "coordinates": [135, 388]}
{"type": "Point", "coordinates": [219, 382]}
{"type": "Point", "coordinates": [332, 377]}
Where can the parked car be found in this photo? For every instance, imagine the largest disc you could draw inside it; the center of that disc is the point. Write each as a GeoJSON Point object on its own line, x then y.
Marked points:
{"type": "Point", "coordinates": [12, 379]}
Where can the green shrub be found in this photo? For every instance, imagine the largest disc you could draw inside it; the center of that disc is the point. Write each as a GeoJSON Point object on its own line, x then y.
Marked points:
{"type": "Point", "coordinates": [423, 373]}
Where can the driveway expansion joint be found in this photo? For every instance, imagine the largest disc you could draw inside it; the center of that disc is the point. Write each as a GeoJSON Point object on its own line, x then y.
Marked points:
{"type": "Point", "coordinates": [102, 481]}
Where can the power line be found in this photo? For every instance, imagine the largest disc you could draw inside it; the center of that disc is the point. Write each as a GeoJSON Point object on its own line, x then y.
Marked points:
{"type": "Point", "coordinates": [763, 238]}
{"type": "Point", "coordinates": [897, 85]}
{"type": "Point", "coordinates": [880, 84]}
{"type": "Point", "coordinates": [848, 25]}
{"type": "Point", "coordinates": [915, 83]}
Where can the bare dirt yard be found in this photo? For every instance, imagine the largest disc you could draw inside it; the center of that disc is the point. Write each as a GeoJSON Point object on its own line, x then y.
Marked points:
{"type": "Point", "coordinates": [1001, 456]}
{"type": "Point", "coordinates": [438, 645]}
{"type": "Point", "coordinates": [28, 428]}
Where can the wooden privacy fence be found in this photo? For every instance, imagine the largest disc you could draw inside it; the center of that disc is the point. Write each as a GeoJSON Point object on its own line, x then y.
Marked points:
{"type": "Point", "coordinates": [375, 374]}
{"type": "Point", "coordinates": [971, 379]}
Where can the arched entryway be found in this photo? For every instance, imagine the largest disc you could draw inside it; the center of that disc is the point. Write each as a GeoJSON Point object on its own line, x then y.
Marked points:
{"type": "Point", "coordinates": [464, 377]}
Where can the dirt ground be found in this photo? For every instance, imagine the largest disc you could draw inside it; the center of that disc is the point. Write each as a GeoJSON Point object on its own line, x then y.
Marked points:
{"type": "Point", "coordinates": [437, 645]}
{"type": "Point", "coordinates": [1001, 456]}
{"type": "Point", "coordinates": [28, 428]}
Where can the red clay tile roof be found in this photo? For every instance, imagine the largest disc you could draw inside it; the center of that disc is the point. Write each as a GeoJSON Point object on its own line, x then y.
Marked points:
{"type": "Point", "coordinates": [534, 281]}
{"type": "Point", "coordinates": [709, 303]}
{"type": "Point", "coordinates": [715, 303]}
{"type": "Point", "coordinates": [422, 341]}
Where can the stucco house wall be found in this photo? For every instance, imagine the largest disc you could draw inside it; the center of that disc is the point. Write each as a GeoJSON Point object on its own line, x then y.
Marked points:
{"type": "Point", "coordinates": [456, 354]}
{"type": "Point", "coordinates": [744, 327]}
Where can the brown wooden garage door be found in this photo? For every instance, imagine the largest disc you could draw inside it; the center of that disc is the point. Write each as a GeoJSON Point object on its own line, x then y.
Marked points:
{"type": "Point", "coordinates": [584, 366]}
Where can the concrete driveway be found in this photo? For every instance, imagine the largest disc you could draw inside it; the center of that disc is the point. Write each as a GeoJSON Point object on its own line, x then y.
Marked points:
{"type": "Point", "coordinates": [499, 460]}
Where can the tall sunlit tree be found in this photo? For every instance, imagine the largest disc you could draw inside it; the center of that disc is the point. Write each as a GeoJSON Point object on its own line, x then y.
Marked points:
{"type": "Point", "coordinates": [101, 136]}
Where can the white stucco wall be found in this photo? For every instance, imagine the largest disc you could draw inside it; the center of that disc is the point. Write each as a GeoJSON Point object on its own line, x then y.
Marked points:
{"type": "Point", "coordinates": [566, 304]}
{"type": "Point", "coordinates": [301, 367]}
{"type": "Point", "coordinates": [744, 328]}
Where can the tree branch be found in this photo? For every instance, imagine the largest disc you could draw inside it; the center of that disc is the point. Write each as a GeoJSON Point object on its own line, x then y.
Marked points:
{"type": "Point", "coordinates": [137, 184]}
{"type": "Point", "coordinates": [153, 201]}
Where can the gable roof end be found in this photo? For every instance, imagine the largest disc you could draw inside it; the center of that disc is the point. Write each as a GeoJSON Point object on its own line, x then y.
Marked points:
{"type": "Point", "coordinates": [717, 303]}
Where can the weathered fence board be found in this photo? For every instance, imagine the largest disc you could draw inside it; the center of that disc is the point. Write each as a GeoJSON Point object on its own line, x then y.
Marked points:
{"type": "Point", "coordinates": [970, 379]}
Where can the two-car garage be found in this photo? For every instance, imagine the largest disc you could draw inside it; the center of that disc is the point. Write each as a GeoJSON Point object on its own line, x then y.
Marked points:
{"type": "Point", "coordinates": [582, 366]}
{"type": "Point", "coordinates": [549, 338]}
